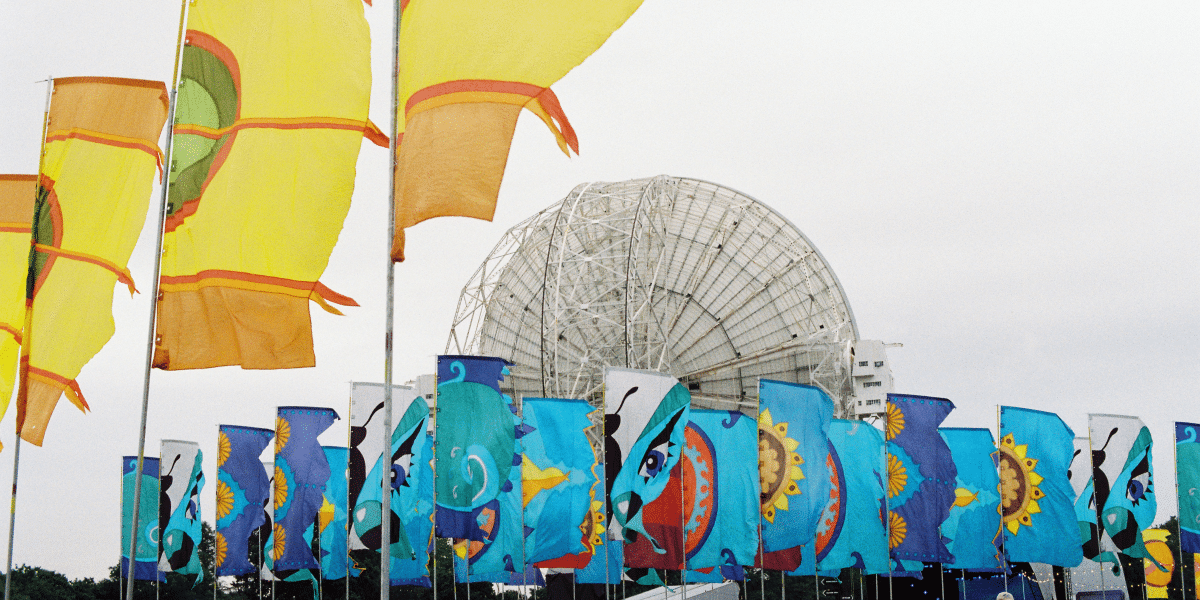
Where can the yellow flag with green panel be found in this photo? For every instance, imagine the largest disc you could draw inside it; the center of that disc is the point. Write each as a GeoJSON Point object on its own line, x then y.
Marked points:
{"type": "Point", "coordinates": [270, 116]}
{"type": "Point", "coordinates": [101, 159]}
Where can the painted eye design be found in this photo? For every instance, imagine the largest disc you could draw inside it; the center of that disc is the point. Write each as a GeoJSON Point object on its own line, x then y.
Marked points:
{"type": "Point", "coordinates": [400, 471]}
{"type": "Point", "coordinates": [653, 461]}
{"type": "Point", "coordinates": [1139, 482]}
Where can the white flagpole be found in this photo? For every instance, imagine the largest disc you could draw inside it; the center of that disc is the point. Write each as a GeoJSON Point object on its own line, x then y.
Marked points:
{"type": "Point", "coordinates": [386, 526]}
{"type": "Point", "coordinates": [151, 331]}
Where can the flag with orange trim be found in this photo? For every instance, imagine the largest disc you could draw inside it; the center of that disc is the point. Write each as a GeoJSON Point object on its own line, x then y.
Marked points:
{"type": "Point", "coordinates": [16, 214]}
{"type": "Point", "coordinates": [467, 68]}
{"type": "Point", "coordinates": [101, 156]}
{"type": "Point", "coordinates": [270, 116]}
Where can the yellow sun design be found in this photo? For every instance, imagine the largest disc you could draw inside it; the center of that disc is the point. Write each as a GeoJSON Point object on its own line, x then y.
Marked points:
{"type": "Point", "coordinates": [222, 448]}
{"type": "Point", "coordinates": [897, 476]}
{"type": "Point", "coordinates": [280, 540]}
{"type": "Point", "coordinates": [224, 499]}
{"type": "Point", "coordinates": [282, 432]}
{"type": "Point", "coordinates": [593, 526]}
{"type": "Point", "coordinates": [281, 488]}
{"type": "Point", "coordinates": [778, 465]}
{"type": "Point", "coordinates": [221, 549]}
{"type": "Point", "coordinates": [895, 421]}
{"type": "Point", "coordinates": [897, 529]}
{"type": "Point", "coordinates": [1019, 491]}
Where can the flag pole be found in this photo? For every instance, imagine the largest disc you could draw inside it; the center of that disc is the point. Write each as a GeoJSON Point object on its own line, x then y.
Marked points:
{"type": "Point", "coordinates": [1179, 514]}
{"type": "Point", "coordinates": [23, 389]}
{"type": "Point", "coordinates": [1003, 546]}
{"type": "Point", "coordinates": [158, 243]}
{"type": "Point", "coordinates": [386, 517]}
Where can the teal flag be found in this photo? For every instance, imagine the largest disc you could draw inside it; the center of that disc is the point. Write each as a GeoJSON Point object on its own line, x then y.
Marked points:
{"type": "Point", "coordinates": [721, 508]}
{"type": "Point", "coordinates": [1036, 499]}
{"type": "Point", "coordinates": [415, 502]}
{"type": "Point", "coordinates": [971, 529]}
{"type": "Point", "coordinates": [332, 519]}
{"type": "Point", "coordinates": [851, 532]}
{"type": "Point", "coordinates": [479, 467]}
{"type": "Point", "coordinates": [180, 480]}
{"type": "Point", "coordinates": [1187, 473]}
{"type": "Point", "coordinates": [793, 439]}
{"type": "Point", "coordinates": [145, 564]}
{"type": "Point", "coordinates": [560, 479]}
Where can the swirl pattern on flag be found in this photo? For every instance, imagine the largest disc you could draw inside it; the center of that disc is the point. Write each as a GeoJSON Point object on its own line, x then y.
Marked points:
{"type": "Point", "coordinates": [301, 471]}
{"type": "Point", "coordinates": [145, 563]}
{"type": "Point", "coordinates": [242, 488]}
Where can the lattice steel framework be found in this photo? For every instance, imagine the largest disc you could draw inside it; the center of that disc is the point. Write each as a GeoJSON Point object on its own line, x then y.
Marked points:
{"type": "Point", "coordinates": [670, 274]}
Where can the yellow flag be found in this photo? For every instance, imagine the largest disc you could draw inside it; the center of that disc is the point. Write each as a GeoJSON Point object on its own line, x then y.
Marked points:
{"type": "Point", "coordinates": [467, 68]}
{"type": "Point", "coordinates": [101, 156]}
{"type": "Point", "coordinates": [16, 213]}
{"type": "Point", "coordinates": [270, 116]}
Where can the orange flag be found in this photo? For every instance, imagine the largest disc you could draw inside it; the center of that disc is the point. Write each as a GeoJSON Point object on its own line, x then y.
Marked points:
{"type": "Point", "coordinates": [16, 213]}
{"type": "Point", "coordinates": [271, 113]}
{"type": "Point", "coordinates": [101, 156]}
{"type": "Point", "coordinates": [467, 68]}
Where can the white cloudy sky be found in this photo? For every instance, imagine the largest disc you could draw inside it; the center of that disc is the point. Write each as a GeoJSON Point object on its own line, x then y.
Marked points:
{"type": "Point", "coordinates": [1008, 189]}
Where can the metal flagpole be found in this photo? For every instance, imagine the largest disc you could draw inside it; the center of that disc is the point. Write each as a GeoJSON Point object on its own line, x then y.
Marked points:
{"type": "Point", "coordinates": [887, 521]}
{"type": "Point", "coordinates": [346, 472]}
{"type": "Point", "coordinates": [23, 386]}
{"type": "Point", "coordinates": [385, 539]}
{"type": "Point", "coordinates": [158, 243]}
{"type": "Point", "coordinates": [1179, 513]}
{"type": "Point", "coordinates": [1003, 548]}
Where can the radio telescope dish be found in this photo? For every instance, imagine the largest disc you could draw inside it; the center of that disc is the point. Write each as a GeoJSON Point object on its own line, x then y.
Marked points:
{"type": "Point", "coordinates": [669, 274]}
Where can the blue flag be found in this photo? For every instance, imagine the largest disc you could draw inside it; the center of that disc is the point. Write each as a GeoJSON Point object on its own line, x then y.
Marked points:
{"type": "Point", "coordinates": [242, 487]}
{"type": "Point", "coordinates": [1036, 499]}
{"type": "Point", "coordinates": [971, 529]}
{"type": "Point", "coordinates": [920, 478]}
{"type": "Point", "coordinates": [1187, 473]}
{"type": "Point", "coordinates": [417, 516]}
{"type": "Point", "coordinates": [145, 564]}
{"type": "Point", "coordinates": [300, 475]}
{"type": "Point", "coordinates": [851, 532]}
{"type": "Point", "coordinates": [793, 434]}
{"type": "Point", "coordinates": [560, 477]}
{"type": "Point", "coordinates": [721, 498]}
{"type": "Point", "coordinates": [332, 518]}
{"type": "Point", "coordinates": [605, 564]}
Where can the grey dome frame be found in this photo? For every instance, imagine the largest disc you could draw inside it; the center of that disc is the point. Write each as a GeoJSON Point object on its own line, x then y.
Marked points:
{"type": "Point", "coordinates": [666, 273]}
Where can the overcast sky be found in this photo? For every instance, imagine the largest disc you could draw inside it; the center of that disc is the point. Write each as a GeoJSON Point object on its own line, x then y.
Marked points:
{"type": "Point", "coordinates": [1010, 190]}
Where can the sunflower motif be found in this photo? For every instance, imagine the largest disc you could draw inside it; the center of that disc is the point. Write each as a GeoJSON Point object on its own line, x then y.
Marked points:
{"type": "Point", "coordinates": [222, 448]}
{"type": "Point", "coordinates": [281, 487]}
{"type": "Point", "coordinates": [895, 421]}
{"type": "Point", "coordinates": [280, 542]}
{"type": "Point", "coordinates": [897, 475]}
{"type": "Point", "coordinates": [282, 432]}
{"type": "Point", "coordinates": [224, 500]}
{"type": "Point", "coordinates": [221, 549]}
{"type": "Point", "coordinates": [593, 526]}
{"type": "Point", "coordinates": [897, 530]}
{"type": "Point", "coordinates": [1019, 491]}
{"type": "Point", "coordinates": [778, 465]}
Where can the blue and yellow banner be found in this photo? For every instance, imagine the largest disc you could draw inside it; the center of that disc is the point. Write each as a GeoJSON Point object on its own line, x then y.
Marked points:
{"type": "Point", "coordinates": [242, 491]}
{"type": "Point", "coordinates": [851, 532]}
{"type": "Point", "coordinates": [301, 471]}
{"type": "Point", "coordinates": [920, 478]}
